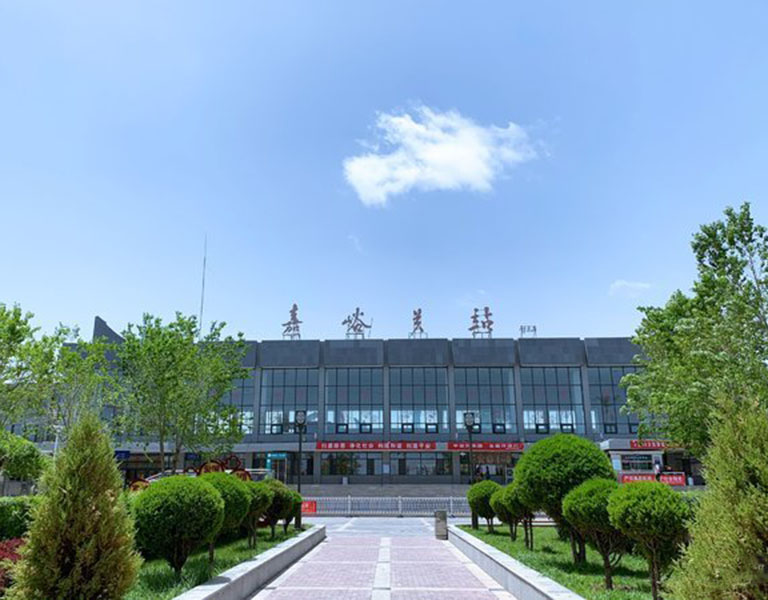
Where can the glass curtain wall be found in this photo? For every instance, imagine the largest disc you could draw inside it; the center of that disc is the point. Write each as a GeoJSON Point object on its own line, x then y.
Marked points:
{"type": "Point", "coordinates": [552, 399]}
{"type": "Point", "coordinates": [490, 394]}
{"type": "Point", "coordinates": [242, 397]}
{"type": "Point", "coordinates": [354, 401]}
{"type": "Point", "coordinates": [283, 392]}
{"type": "Point", "coordinates": [607, 398]}
{"type": "Point", "coordinates": [418, 400]}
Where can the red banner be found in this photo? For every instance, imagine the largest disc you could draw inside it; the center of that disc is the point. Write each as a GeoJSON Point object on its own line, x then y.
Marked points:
{"type": "Point", "coordinates": [668, 478]}
{"type": "Point", "coordinates": [647, 444]}
{"type": "Point", "coordinates": [309, 507]}
{"type": "Point", "coordinates": [488, 446]}
{"type": "Point", "coordinates": [376, 446]}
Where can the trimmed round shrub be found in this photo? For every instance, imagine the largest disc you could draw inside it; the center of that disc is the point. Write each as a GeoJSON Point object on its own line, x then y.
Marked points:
{"type": "Point", "coordinates": [15, 515]}
{"type": "Point", "coordinates": [282, 503]}
{"type": "Point", "coordinates": [654, 516]}
{"type": "Point", "coordinates": [237, 499]}
{"type": "Point", "coordinates": [498, 506]}
{"type": "Point", "coordinates": [552, 467]}
{"type": "Point", "coordinates": [585, 508]}
{"type": "Point", "coordinates": [175, 516]}
{"type": "Point", "coordinates": [261, 497]}
{"type": "Point", "coordinates": [479, 498]}
{"type": "Point", "coordinates": [294, 511]}
{"type": "Point", "coordinates": [20, 459]}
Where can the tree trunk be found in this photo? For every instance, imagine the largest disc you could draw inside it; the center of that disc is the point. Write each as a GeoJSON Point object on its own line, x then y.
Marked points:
{"type": "Point", "coordinates": [608, 570]}
{"type": "Point", "coordinates": [162, 455]}
{"type": "Point", "coordinates": [512, 531]}
{"type": "Point", "coordinates": [578, 548]}
{"type": "Point", "coordinates": [475, 524]}
{"type": "Point", "coordinates": [211, 553]}
{"type": "Point", "coordinates": [654, 579]}
{"type": "Point", "coordinates": [272, 527]}
{"type": "Point", "coordinates": [490, 525]}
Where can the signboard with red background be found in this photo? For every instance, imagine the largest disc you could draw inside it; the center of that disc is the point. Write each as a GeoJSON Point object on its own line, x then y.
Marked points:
{"type": "Point", "coordinates": [668, 478]}
{"type": "Point", "coordinates": [488, 446]}
{"type": "Point", "coordinates": [376, 446]}
{"type": "Point", "coordinates": [648, 444]}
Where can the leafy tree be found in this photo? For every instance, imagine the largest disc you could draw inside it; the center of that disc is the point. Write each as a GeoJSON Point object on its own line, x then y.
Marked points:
{"type": "Point", "coordinates": [175, 516]}
{"type": "Point", "coordinates": [551, 468]}
{"type": "Point", "coordinates": [293, 512]}
{"type": "Point", "coordinates": [509, 509]}
{"type": "Point", "coordinates": [25, 364]}
{"type": "Point", "coordinates": [708, 345]}
{"type": "Point", "coordinates": [237, 502]}
{"type": "Point", "coordinates": [81, 539]}
{"type": "Point", "coordinates": [586, 508]}
{"type": "Point", "coordinates": [479, 498]}
{"type": "Point", "coordinates": [653, 516]}
{"type": "Point", "coordinates": [82, 380]}
{"type": "Point", "coordinates": [261, 498]}
{"type": "Point", "coordinates": [728, 554]}
{"type": "Point", "coordinates": [176, 383]}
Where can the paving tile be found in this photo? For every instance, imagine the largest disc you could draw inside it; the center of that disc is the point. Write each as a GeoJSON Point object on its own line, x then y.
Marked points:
{"type": "Point", "coordinates": [332, 553]}
{"type": "Point", "coordinates": [321, 575]}
{"type": "Point", "coordinates": [427, 553]}
{"type": "Point", "coordinates": [328, 594]}
{"type": "Point", "coordinates": [442, 595]}
{"type": "Point", "coordinates": [434, 575]}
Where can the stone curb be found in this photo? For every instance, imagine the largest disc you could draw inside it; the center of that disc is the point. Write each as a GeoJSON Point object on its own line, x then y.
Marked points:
{"type": "Point", "coordinates": [519, 580]}
{"type": "Point", "coordinates": [244, 580]}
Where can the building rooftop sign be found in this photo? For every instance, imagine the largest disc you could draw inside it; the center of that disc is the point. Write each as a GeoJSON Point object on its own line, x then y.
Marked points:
{"type": "Point", "coordinates": [481, 328]}
{"type": "Point", "coordinates": [418, 329]}
{"type": "Point", "coordinates": [291, 327]}
{"type": "Point", "coordinates": [355, 325]}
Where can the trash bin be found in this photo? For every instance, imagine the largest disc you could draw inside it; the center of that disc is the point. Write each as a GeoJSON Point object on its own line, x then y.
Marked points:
{"type": "Point", "coordinates": [345, 481]}
{"type": "Point", "coordinates": [441, 524]}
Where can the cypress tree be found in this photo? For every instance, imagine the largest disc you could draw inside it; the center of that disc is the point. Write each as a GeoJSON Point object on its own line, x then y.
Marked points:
{"type": "Point", "coordinates": [728, 556]}
{"type": "Point", "coordinates": [80, 544]}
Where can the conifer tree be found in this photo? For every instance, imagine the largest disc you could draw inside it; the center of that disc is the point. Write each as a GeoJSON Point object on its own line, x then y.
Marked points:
{"type": "Point", "coordinates": [728, 556]}
{"type": "Point", "coordinates": [80, 543]}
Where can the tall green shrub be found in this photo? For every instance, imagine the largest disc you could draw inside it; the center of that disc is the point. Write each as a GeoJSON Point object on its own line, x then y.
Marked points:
{"type": "Point", "coordinates": [551, 468]}
{"type": "Point", "coordinates": [294, 511]}
{"type": "Point", "coordinates": [282, 503]}
{"type": "Point", "coordinates": [175, 516]}
{"type": "Point", "coordinates": [586, 508]}
{"type": "Point", "coordinates": [261, 498]}
{"type": "Point", "coordinates": [479, 498]}
{"type": "Point", "coordinates": [728, 555]}
{"type": "Point", "coordinates": [20, 459]}
{"type": "Point", "coordinates": [653, 516]}
{"type": "Point", "coordinates": [237, 502]}
{"type": "Point", "coordinates": [81, 540]}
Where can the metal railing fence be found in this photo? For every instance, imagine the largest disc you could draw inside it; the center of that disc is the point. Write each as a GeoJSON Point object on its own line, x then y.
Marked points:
{"type": "Point", "coordinates": [395, 506]}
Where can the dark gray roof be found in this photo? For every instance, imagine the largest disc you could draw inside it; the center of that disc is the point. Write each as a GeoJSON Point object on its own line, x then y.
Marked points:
{"type": "Point", "coordinates": [607, 351]}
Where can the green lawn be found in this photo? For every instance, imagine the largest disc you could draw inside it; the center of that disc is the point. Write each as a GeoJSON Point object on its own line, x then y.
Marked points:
{"type": "Point", "coordinates": [552, 557]}
{"type": "Point", "coordinates": [156, 580]}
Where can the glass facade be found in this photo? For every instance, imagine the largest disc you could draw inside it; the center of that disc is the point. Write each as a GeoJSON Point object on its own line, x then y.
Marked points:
{"type": "Point", "coordinates": [418, 400]}
{"type": "Point", "coordinates": [412, 464]}
{"type": "Point", "coordinates": [283, 391]}
{"type": "Point", "coordinates": [552, 400]}
{"type": "Point", "coordinates": [354, 401]}
{"type": "Point", "coordinates": [490, 394]}
{"type": "Point", "coordinates": [607, 398]}
{"type": "Point", "coordinates": [351, 463]}
{"type": "Point", "coordinates": [242, 397]}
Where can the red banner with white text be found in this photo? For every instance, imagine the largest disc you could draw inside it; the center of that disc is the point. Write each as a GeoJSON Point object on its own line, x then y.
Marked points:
{"type": "Point", "coordinates": [376, 446]}
{"type": "Point", "coordinates": [488, 446]}
{"type": "Point", "coordinates": [668, 478]}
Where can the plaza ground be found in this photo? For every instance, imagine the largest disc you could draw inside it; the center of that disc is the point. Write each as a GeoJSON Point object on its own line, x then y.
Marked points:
{"type": "Point", "coordinates": [372, 558]}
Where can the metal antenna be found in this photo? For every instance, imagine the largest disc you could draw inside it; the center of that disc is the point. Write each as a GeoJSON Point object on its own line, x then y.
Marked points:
{"type": "Point", "coordinates": [202, 291]}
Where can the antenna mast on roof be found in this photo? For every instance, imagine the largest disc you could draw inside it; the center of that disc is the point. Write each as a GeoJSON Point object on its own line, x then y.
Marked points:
{"type": "Point", "coordinates": [202, 291]}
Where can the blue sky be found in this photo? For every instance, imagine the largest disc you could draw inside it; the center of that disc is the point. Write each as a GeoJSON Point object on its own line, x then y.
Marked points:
{"type": "Point", "coordinates": [548, 159]}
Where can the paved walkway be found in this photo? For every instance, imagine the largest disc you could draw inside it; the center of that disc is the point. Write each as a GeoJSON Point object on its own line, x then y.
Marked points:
{"type": "Point", "coordinates": [383, 559]}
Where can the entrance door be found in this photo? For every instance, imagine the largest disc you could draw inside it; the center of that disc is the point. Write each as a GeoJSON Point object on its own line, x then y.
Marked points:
{"type": "Point", "coordinates": [279, 468]}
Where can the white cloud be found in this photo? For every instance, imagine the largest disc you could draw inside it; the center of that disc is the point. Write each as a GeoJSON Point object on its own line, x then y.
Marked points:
{"type": "Point", "coordinates": [628, 289]}
{"type": "Point", "coordinates": [432, 150]}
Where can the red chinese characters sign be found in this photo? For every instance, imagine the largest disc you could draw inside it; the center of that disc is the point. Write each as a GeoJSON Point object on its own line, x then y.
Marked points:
{"type": "Point", "coordinates": [376, 446]}
{"type": "Point", "coordinates": [309, 507]}
{"type": "Point", "coordinates": [647, 444]}
{"type": "Point", "coordinates": [488, 446]}
{"type": "Point", "coordinates": [668, 478]}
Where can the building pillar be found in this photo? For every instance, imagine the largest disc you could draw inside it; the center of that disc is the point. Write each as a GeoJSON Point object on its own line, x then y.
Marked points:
{"type": "Point", "coordinates": [520, 415]}
{"type": "Point", "coordinates": [257, 404]}
{"type": "Point", "coordinates": [387, 426]}
{"type": "Point", "coordinates": [587, 404]}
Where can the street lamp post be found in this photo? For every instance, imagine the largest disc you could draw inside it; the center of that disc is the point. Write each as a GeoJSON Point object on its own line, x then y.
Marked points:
{"type": "Point", "coordinates": [301, 427]}
{"type": "Point", "coordinates": [469, 423]}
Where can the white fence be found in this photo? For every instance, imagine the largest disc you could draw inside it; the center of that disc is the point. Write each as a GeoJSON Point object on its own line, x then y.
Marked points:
{"type": "Point", "coordinates": [395, 506]}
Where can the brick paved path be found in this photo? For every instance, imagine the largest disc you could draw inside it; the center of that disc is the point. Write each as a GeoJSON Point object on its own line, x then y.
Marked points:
{"type": "Point", "coordinates": [403, 562]}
